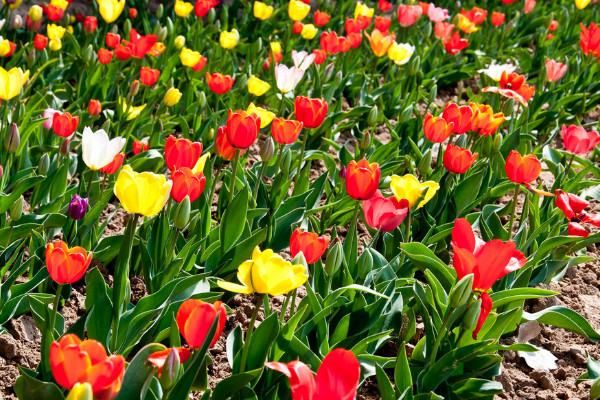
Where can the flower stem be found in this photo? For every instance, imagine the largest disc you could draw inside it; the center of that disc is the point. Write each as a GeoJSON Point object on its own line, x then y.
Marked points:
{"type": "Point", "coordinates": [441, 334]}
{"type": "Point", "coordinates": [299, 169]}
{"type": "Point", "coordinates": [259, 179]}
{"type": "Point", "coordinates": [408, 226]}
{"type": "Point", "coordinates": [249, 333]}
{"type": "Point", "coordinates": [233, 174]}
{"type": "Point", "coordinates": [89, 188]}
{"type": "Point", "coordinates": [514, 209]}
{"type": "Point", "coordinates": [54, 310]}
{"type": "Point", "coordinates": [568, 169]}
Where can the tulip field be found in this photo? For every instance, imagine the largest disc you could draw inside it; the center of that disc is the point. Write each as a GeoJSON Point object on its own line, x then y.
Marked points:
{"type": "Point", "coordinates": [299, 199]}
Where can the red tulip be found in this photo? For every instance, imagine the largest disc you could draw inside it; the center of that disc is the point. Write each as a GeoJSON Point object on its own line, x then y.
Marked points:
{"type": "Point", "coordinates": [159, 358]}
{"type": "Point", "coordinates": [351, 26]}
{"type": "Point", "coordinates": [320, 56]}
{"type": "Point", "coordinates": [112, 39]}
{"type": "Point", "coordinates": [285, 131]}
{"type": "Point", "coordinates": [139, 146]}
{"type": "Point", "coordinates": [424, 7]}
{"type": "Point", "coordinates": [321, 18]}
{"type": "Point", "coordinates": [90, 24]}
{"type": "Point", "coordinates": [455, 44]}
{"type": "Point", "coordinates": [355, 40]}
{"type": "Point", "coordinates": [486, 122]}
{"type": "Point", "coordinates": [461, 116]}
{"type": "Point", "coordinates": [64, 124]}
{"type": "Point", "coordinates": [33, 26]}
{"type": "Point", "coordinates": [553, 25]}
{"type": "Point", "coordinates": [362, 179]}
{"type": "Point", "coordinates": [75, 361]}
{"type": "Point", "coordinates": [498, 18]}
{"type": "Point", "coordinates": [337, 377]}
{"type": "Point", "coordinates": [513, 86]}
{"type": "Point", "coordinates": [457, 160]}
{"type": "Point", "coordinates": [181, 153]}
{"type": "Point", "coordinates": [223, 148]}
{"type": "Point", "coordinates": [66, 265]}
{"type": "Point", "coordinates": [579, 141]}
{"type": "Point", "coordinates": [522, 169]}
{"type": "Point", "coordinates": [54, 13]}
{"type": "Point", "coordinates": [555, 70]}
{"type": "Point", "coordinates": [203, 7]}
{"type": "Point", "coordinates": [310, 244]}
{"type": "Point", "coordinates": [408, 14]}
{"type": "Point", "coordinates": [242, 128]}
{"type": "Point", "coordinates": [345, 43]}
{"type": "Point", "coordinates": [187, 183]}
{"type": "Point", "coordinates": [384, 5]}
{"type": "Point", "coordinates": [140, 44]}
{"type": "Point", "coordinates": [194, 319]}
{"type": "Point", "coordinates": [114, 165]}
{"type": "Point", "coordinates": [384, 213]}
{"type": "Point", "coordinates": [330, 42]}
{"type": "Point", "coordinates": [123, 53]}
{"type": "Point", "coordinates": [104, 56]}
{"type": "Point", "coordinates": [149, 76]}
{"type": "Point", "coordinates": [40, 42]}
{"type": "Point", "coordinates": [133, 12]}
{"type": "Point", "coordinates": [219, 83]}
{"type": "Point", "coordinates": [437, 129]}
{"type": "Point", "coordinates": [383, 23]}
{"type": "Point", "coordinates": [363, 21]}
{"type": "Point", "coordinates": [311, 112]}
{"type": "Point", "coordinates": [297, 27]}
{"type": "Point", "coordinates": [476, 15]}
{"type": "Point", "coordinates": [201, 63]}
{"type": "Point", "coordinates": [94, 107]}
{"type": "Point", "coordinates": [573, 207]}
{"type": "Point", "coordinates": [486, 308]}
{"type": "Point", "coordinates": [443, 30]}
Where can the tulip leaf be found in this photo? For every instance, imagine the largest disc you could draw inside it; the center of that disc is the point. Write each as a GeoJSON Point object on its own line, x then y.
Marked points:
{"type": "Point", "coordinates": [507, 296]}
{"type": "Point", "coordinates": [562, 317]}
{"type": "Point", "coordinates": [474, 388]}
{"type": "Point", "coordinates": [27, 387]}
{"type": "Point", "coordinates": [234, 221]}
{"type": "Point", "coordinates": [384, 386]}
{"type": "Point", "coordinates": [99, 305]}
{"type": "Point", "coordinates": [7, 200]}
{"type": "Point", "coordinates": [235, 383]}
{"type": "Point", "coordinates": [261, 342]}
{"type": "Point", "coordinates": [138, 372]}
{"type": "Point", "coordinates": [425, 259]}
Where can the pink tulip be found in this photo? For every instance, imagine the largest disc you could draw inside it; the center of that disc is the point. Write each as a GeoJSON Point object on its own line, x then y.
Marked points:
{"type": "Point", "coordinates": [555, 70]}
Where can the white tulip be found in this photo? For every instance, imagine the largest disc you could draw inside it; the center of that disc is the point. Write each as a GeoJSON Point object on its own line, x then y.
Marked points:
{"type": "Point", "coordinates": [302, 59]}
{"type": "Point", "coordinates": [495, 71]}
{"type": "Point", "coordinates": [98, 150]}
{"type": "Point", "coordinates": [287, 78]}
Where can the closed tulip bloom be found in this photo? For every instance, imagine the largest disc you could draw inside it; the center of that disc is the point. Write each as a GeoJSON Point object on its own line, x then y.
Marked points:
{"type": "Point", "coordinates": [285, 131]}
{"type": "Point", "coordinates": [261, 10]}
{"type": "Point", "coordinates": [104, 56]}
{"type": "Point", "coordinates": [522, 169]}
{"type": "Point", "coordinates": [159, 358]}
{"type": "Point", "coordinates": [362, 9]}
{"type": "Point", "coordinates": [35, 13]}
{"type": "Point", "coordinates": [114, 165]}
{"type": "Point", "coordinates": [55, 31]}
{"type": "Point", "coordinates": [443, 30]}
{"type": "Point", "coordinates": [577, 140]}
{"type": "Point", "coordinates": [309, 31]}
{"type": "Point", "coordinates": [183, 8]}
{"type": "Point", "coordinates": [362, 179]}
{"type": "Point", "coordinates": [123, 52]}
{"type": "Point", "coordinates": [555, 70]}
{"type": "Point", "coordinates": [455, 44]}
{"type": "Point", "coordinates": [384, 5]}
{"type": "Point", "coordinates": [457, 160]}
{"type": "Point", "coordinates": [437, 14]}
{"type": "Point", "coordinates": [219, 83]}
{"type": "Point", "coordinates": [311, 112]}
{"type": "Point", "coordinates": [337, 377]}
{"type": "Point", "coordinates": [40, 42]}
{"type": "Point", "coordinates": [187, 183]}
{"type": "Point", "coordinates": [64, 124]}
{"type": "Point", "coordinates": [11, 82]}
{"type": "Point", "coordinates": [408, 187]}
{"type": "Point", "coordinates": [74, 361]}
{"type": "Point", "coordinates": [81, 391]}
{"type": "Point", "coordinates": [400, 53]}
{"type": "Point", "coordinates": [297, 27]}
{"type": "Point", "coordinates": [330, 42]}
{"type": "Point", "coordinates": [94, 107]}
{"type": "Point", "coordinates": [383, 23]}
{"type": "Point", "coordinates": [139, 146]}
{"type": "Point", "coordinates": [242, 128]}
{"type": "Point", "coordinates": [112, 39]}
{"type": "Point", "coordinates": [98, 150]}
{"type": "Point", "coordinates": [194, 319]}
{"type": "Point", "coordinates": [408, 14]}
{"type": "Point", "coordinates": [320, 56]}
{"type": "Point", "coordinates": [189, 57]}
{"type": "Point", "coordinates": [110, 10]}
{"type": "Point", "coordinates": [90, 24]}
{"type": "Point", "coordinates": [321, 18]}
{"type": "Point", "coordinates": [66, 265]}
{"type": "Point", "coordinates": [581, 4]}
{"type": "Point", "coordinates": [267, 273]}
{"type": "Point", "coordinates": [202, 7]}
{"type": "Point", "coordinates": [144, 193]}
{"type": "Point", "coordinates": [181, 153]}
{"type": "Point", "coordinates": [380, 43]}
{"type": "Point", "coordinates": [223, 148]}
{"type": "Point", "coordinates": [78, 207]}
{"type": "Point", "coordinates": [48, 116]}
{"type": "Point", "coordinates": [149, 76]}
{"type": "Point", "coordinates": [229, 39]}
{"type": "Point", "coordinates": [265, 116]}
{"type": "Point", "coordinates": [383, 213]}
{"type": "Point", "coordinates": [55, 44]}
{"type": "Point", "coordinates": [297, 10]}
{"type": "Point", "coordinates": [257, 86]}
{"type": "Point", "coordinates": [498, 18]}
{"type": "Point", "coordinates": [461, 117]}
{"type": "Point", "coordinates": [437, 129]}
{"type": "Point", "coordinates": [172, 97]}
{"type": "Point", "coordinates": [310, 244]}
{"type": "Point", "coordinates": [287, 78]}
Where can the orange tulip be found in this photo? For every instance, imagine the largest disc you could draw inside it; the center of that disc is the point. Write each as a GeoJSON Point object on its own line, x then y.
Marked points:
{"type": "Point", "coordinates": [380, 43]}
{"type": "Point", "coordinates": [310, 244]}
{"type": "Point", "coordinates": [149, 76]}
{"type": "Point", "coordinates": [219, 83]}
{"type": "Point", "coordinates": [66, 265]}
{"type": "Point", "coordinates": [242, 128]}
{"type": "Point", "coordinates": [457, 160]}
{"type": "Point", "coordinates": [436, 128]}
{"type": "Point", "coordinates": [159, 358]}
{"type": "Point", "coordinates": [223, 148]}
{"type": "Point", "coordinates": [522, 169]}
{"type": "Point", "coordinates": [187, 183]}
{"type": "Point", "coordinates": [114, 165]}
{"type": "Point", "coordinates": [285, 131]}
{"type": "Point", "coordinates": [194, 319]}
{"type": "Point", "coordinates": [311, 112]}
{"type": "Point", "coordinates": [486, 121]}
{"type": "Point", "coordinates": [461, 116]}
{"type": "Point", "coordinates": [362, 179]}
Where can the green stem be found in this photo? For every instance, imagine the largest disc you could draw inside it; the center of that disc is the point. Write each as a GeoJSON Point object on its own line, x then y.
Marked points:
{"type": "Point", "coordinates": [288, 296]}
{"type": "Point", "coordinates": [233, 175]}
{"type": "Point", "coordinates": [259, 179]}
{"type": "Point", "coordinates": [438, 340]}
{"type": "Point", "coordinates": [89, 188]}
{"type": "Point", "coordinates": [514, 209]}
{"type": "Point", "coordinates": [568, 169]}
{"type": "Point", "coordinates": [281, 106]}
{"type": "Point", "coordinates": [54, 311]}
{"type": "Point", "coordinates": [408, 226]}
{"type": "Point", "coordinates": [299, 169]}
{"type": "Point", "coordinates": [249, 333]}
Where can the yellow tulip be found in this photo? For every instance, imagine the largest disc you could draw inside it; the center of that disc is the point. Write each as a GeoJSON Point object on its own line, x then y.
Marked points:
{"type": "Point", "coordinates": [55, 44]}
{"type": "Point", "coordinates": [275, 47]}
{"type": "Point", "coordinates": [81, 391]}
{"type": "Point", "coordinates": [14, 5]}
{"type": "Point", "coordinates": [400, 53]}
{"type": "Point", "coordinates": [309, 31]}
{"type": "Point", "coordinates": [144, 193]}
{"type": "Point", "coordinates": [59, 3]}
{"type": "Point", "coordinates": [55, 31]}
{"type": "Point", "coordinates": [134, 112]}
{"type": "Point", "coordinates": [268, 273]}
{"type": "Point", "coordinates": [36, 13]}
{"type": "Point", "coordinates": [363, 9]}
{"type": "Point", "coordinates": [70, 29]}
{"type": "Point", "coordinates": [183, 8]}
{"type": "Point", "coordinates": [189, 57]}
{"type": "Point", "coordinates": [172, 97]}
{"type": "Point", "coordinates": [11, 82]}
{"type": "Point", "coordinates": [262, 11]}
{"type": "Point", "coordinates": [581, 4]}
{"type": "Point", "coordinates": [257, 86]}
{"type": "Point", "coordinates": [408, 187]}
{"type": "Point", "coordinates": [464, 24]}
{"type": "Point", "coordinates": [266, 116]}
{"type": "Point", "coordinates": [229, 40]}
{"type": "Point", "coordinates": [199, 167]}
{"type": "Point", "coordinates": [4, 47]}
{"type": "Point", "coordinates": [111, 9]}
{"type": "Point", "coordinates": [179, 42]}
{"type": "Point", "coordinates": [298, 10]}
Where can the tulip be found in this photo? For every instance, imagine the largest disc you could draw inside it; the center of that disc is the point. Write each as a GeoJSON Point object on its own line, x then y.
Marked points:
{"type": "Point", "coordinates": [78, 207]}
{"type": "Point", "coordinates": [455, 44]}
{"type": "Point", "coordinates": [310, 244]}
{"type": "Point", "coordinates": [286, 131]}
{"type": "Point", "coordinates": [461, 117]}
{"type": "Point", "coordinates": [11, 82]}
{"type": "Point", "coordinates": [104, 56]}
{"type": "Point", "coordinates": [194, 319]}
{"type": "Point", "coordinates": [187, 183]}
{"type": "Point", "coordinates": [149, 76]}
{"type": "Point", "coordinates": [529, 5]}
{"type": "Point", "coordinates": [522, 169]}
{"type": "Point", "coordinates": [112, 39]}
{"type": "Point", "coordinates": [380, 43]}
{"type": "Point", "coordinates": [47, 116]}
{"type": "Point", "coordinates": [229, 40]}
{"type": "Point", "coordinates": [90, 25]}
{"type": "Point", "coordinates": [183, 8]}
{"type": "Point", "coordinates": [181, 153]}
{"type": "Point", "coordinates": [40, 42]}
{"type": "Point", "coordinates": [498, 18]}
{"type": "Point", "coordinates": [172, 97]}
{"type": "Point", "coordinates": [297, 27]}
{"type": "Point", "coordinates": [555, 70]}
{"type": "Point", "coordinates": [223, 148]}
{"type": "Point", "coordinates": [384, 5]}
{"type": "Point", "coordinates": [140, 45]}
{"type": "Point", "coordinates": [219, 83]}
{"type": "Point", "coordinates": [443, 30]}
{"type": "Point", "coordinates": [257, 86]}
{"type": "Point", "coordinates": [408, 14]}
{"type": "Point", "coordinates": [330, 42]}
{"type": "Point", "coordinates": [337, 377]}
{"type": "Point", "coordinates": [321, 18]}
{"type": "Point", "coordinates": [242, 128]}
{"type": "Point", "coordinates": [139, 146]}
{"type": "Point", "coordinates": [94, 107]}
{"type": "Point", "coordinates": [97, 149]}
{"type": "Point", "coordinates": [384, 214]}
{"type": "Point", "coordinates": [202, 7]}
{"type": "Point", "coordinates": [465, 24]}
{"type": "Point", "coordinates": [189, 58]}
{"type": "Point", "coordinates": [383, 24]}
{"type": "Point", "coordinates": [408, 187]}
{"type": "Point", "coordinates": [437, 129]}
{"type": "Point", "coordinates": [486, 121]}
{"type": "Point", "coordinates": [553, 25]}
{"type": "Point", "coordinates": [476, 15]}
{"type": "Point", "coordinates": [54, 13]}
{"type": "Point", "coordinates": [457, 160]}
{"type": "Point", "coordinates": [513, 86]}
{"type": "Point", "coordinates": [311, 112]}
{"type": "Point", "coordinates": [110, 10]}
{"type": "Point", "coordinates": [590, 40]}
{"type": "Point", "coordinates": [437, 14]}
{"type": "Point", "coordinates": [144, 193]}
{"type": "Point", "coordinates": [400, 53]}
{"type": "Point", "coordinates": [362, 9]}
{"type": "Point", "coordinates": [64, 124]}
{"type": "Point", "coordinates": [287, 78]}
{"type": "Point", "coordinates": [362, 179]}
{"type": "Point", "coordinates": [577, 140]}
{"type": "Point", "coordinates": [114, 165]}
{"type": "Point", "coordinates": [265, 116]}
{"type": "Point", "coordinates": [351, 26]}
{"type": "Point", "coordinates": [573, 207]}
{"type": "Point", "coordinates": [320, 56]}
{"type": "Point", "coordinates": [55, 44]}
{"type": "Point", "coordinates": [581, 4]}
{"type": "Point", "coordinates": [35, 13]}
{"type": "Point", "coordinates": [159, 358]}
{"type": "Point", "coordinates": [297, 10]}
{"type": "Point", "coordinates": [74, 361]}
{"type": "Point", "coordinates": [309, 31]}
{"type": "Point", "coordinates": [495, 71]}
{"type": "Point", "coordinates": [133, 111]}
{"type": "Point", "coordinates": [267, 273]}
{"type": "Point", "coordinates": [66, 265]}
{"type": "Point", "coordinates": [262, 11]}
{"type": "Point", "coordinates": [81, 391]}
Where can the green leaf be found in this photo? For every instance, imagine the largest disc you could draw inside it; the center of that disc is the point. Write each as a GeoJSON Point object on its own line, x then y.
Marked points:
{"type": "Point", "coordinates": [234, 220]}
{"type": "Point", "coordinates": [98, 303]}
{"type": "Point", "coordinates": [562, 317]}
{"type": "Point", "coordinates": [261, 341]}
{"type": "Point", "coordinates": [384, 386]}
{"type": "Point", "coordinates": [475, 388]}
{"type": "Point", "coordinates": [425, 259]}
{"type": "Point", "coordinates": [507, 296]}
{"type": "Point", "coordinates": [138, 372]}
{"type": "Point", "coordinates": [402, 374]}
{"type": "Point", "coordinates": [234, 383]}
{"type": "Point", "coordinates": [27, 388]}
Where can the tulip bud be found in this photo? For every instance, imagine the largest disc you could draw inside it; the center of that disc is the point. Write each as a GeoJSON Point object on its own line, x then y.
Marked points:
{"type": "Point", "coordinates": [300, 260]}
{"type": "Point", "coordinates": [414, 66]}
{"type": "Point", "coordinates": [170, 27]}
{"type": "Point", "coordinates": [461, 291]}
{"type": "Point", "coordinates": [342, 173]}
{"type": "Point", "coordinates": [388, 245]}
{"type": "Point", "coordinates": [12, 139]}
{"type": "Point", "coordinates": [106, 125]}
{"type": "Point", "coordinates": [44, 164]}
{"type": "Point", "coordinates": [334, 258]}
{"type": "Point", "coordinates": [338, 79]}
{"type": "Point", "coordinates": [202, 100]}
{"type": "Point", "coordinates": [212, 15]}
{"type": "Point", "coordinates": [211, 134]}
{"type": "Point", "coordinates": [365, 263]}
{"type": "Point", "coordinates": [94, 107]}
{"type": "Point", "coordinates": [17, 22]}
{"type": "Point", "coordinates": [179, 42]}
{"type": "Point", "coordinates": [373, 116]}
{"type": "Point", "coordinates": [286, 162]}
{"type": "Point", "coordinates": [162, 33]}
{"type": "Point", "coordinates": [170, 370]}
{"type": "Point", "coordinates": [65, 147]}
{"type": "Point", "coordinates": [328, 72]}
{"type": "Point", "coordinates": [78, 207]}
{"type": "Point", "coordinates": [258, 45]}
{"type": "Point", "coordinates": [160, 10]}
{"type": "Point", "coordinates": [427, 30]}
{"type": "Point", "coordinates": [31, 58]}
{"type": "Point", "coordinates": [35, 13]}
{"type": "Point", "coordinates": [267, 149]}
{"type": "Point", "coordinates": [182, 214]}
{"type": "Point", "coordinates": [127, 25]}
{"type": "Point", "coordinates": [406, 114]}
{"type": "Point", "coordinates": [425, 163]}
{"type": "Point", "coordinates": [88, 54]}
{"type": "Point", "coordinates": [497, 143]}
{"type": "Point", "coordinates": [81, 391]}
{"type": "Point", "coordinates": [134, 88]}
{"type": "Point", "coordinates": [433, 93]}
{"type": "Point", "coordinates": [471, 316]}
{"type": "Point", "coordinates": [16, 210]}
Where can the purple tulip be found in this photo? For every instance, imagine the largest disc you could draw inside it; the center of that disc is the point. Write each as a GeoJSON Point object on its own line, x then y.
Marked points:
{"type": "Point", "coordinates": [78, 207]}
